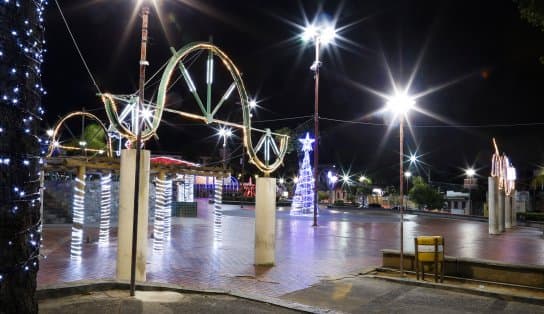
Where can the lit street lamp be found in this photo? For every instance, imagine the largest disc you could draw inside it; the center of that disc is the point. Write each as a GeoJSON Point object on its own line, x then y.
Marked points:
{"type": "Point", "coordinates": [224, 133]}
{"type": "Point", "coordinates": [470, 173]}
{"type": "Point", "coordinates": [319, 35]}
{"type": "Point", "coordinates": [407, 174]}
{"type": "Point", "coordinates": [400, 104]}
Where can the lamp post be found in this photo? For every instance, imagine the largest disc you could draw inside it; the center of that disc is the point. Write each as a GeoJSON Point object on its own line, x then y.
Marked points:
{"type": "Point", "coordinates": [400, 104]}
{"type": "Point", "coordinates": [470, 173]}
{"type": "Point", "coordinates": [224, 133]}
{"type": "Point", "coordinates": [319, 35]}
{"type": "Point", "coordinates": [407, 175]}
{"type": "Point", "coordinates": [143, 64]}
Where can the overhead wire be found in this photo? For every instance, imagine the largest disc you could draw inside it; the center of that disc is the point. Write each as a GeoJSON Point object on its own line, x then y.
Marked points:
{"type": "Point", "coordinates": [77, 47]}
{"type": "Point", "coordinates": [491, 125]}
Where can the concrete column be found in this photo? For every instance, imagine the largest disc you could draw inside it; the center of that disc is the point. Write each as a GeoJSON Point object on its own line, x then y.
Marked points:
{"type": "Point", "coordinates": [514, 209]}
{"type": "Point", "coordinates": [126, 214]}
{"type": "Point", "coordinates": [493, 191]}
{"type": "Point", "coordinates": [218, 211]}
{"type": "Point", "coordinates": [508, 212]}
{"type": "Point", "coordinates": [265, 221]}
{"type": "Point", "coordinates": [500, 210]}
{"type": "Point", "coordinates": [78, 214]}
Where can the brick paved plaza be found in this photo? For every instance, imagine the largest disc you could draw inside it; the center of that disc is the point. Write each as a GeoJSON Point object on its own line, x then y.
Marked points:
{"type": "Point", "coordinates": [201, 255]}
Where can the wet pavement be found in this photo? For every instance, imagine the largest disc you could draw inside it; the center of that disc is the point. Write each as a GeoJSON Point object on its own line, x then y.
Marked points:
{"type": "Point", "coordinates": [204, 255]}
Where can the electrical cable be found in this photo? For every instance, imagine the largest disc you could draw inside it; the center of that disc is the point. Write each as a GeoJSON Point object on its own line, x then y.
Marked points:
{"type": "Point", "coordinates": [77, 48]}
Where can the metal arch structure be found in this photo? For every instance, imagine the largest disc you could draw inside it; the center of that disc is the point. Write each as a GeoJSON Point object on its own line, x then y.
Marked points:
{"type": "Point", "coordinates": [54, 143]}
{"type": "Point", "coordinates": [266, 143]}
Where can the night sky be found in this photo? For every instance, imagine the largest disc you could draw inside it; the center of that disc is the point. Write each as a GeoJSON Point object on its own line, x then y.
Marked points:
{"type": "Point", "coordinates": [482, 54]}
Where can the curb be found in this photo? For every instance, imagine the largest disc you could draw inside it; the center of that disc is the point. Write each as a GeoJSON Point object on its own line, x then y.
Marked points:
{"type": "Point", "coordinates": [455, 288]}
{"type": "Point", "coordinates": [89, 286]}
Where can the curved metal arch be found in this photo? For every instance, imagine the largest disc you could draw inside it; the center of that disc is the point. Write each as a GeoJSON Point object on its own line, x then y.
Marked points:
{"type": "Point", "coordinates": [237, 77]}
{"type": "Point", "coordinates": [51, 147]}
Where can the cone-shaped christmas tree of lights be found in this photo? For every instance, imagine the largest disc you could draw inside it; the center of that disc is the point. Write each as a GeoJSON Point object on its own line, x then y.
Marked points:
{"type": "Point", "coordinates": [303, 200]}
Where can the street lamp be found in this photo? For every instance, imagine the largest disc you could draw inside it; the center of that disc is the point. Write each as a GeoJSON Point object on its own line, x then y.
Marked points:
{"type": "Point", "coordinates": [470, 173]}
{"type": "Point", "coordinates": [319, 35]}
{"type": "Point", "coordinates": [400, 104]}
{"type": "Point", "coordinates": [407, 174]}
{"type": "Point", "coordinates": [224, 133]}
{"type": "Point", "coordinates": [139, 123]}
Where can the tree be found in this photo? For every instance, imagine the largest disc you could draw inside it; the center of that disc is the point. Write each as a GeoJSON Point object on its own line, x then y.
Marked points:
{"type": "Point", "coordinates": [533, 12]}
{"type": "Point", "coordinates": [21, 47]}
{"type": "Point", "coordinates": [94, 137]}
{"type": "Point", "coordinates": [423, 194]}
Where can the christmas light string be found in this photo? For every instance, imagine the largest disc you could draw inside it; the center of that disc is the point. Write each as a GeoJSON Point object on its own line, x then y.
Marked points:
{"type": "Point", "coordinates": [20, 85]}
{"type": "Point", "coordinates": [105, 209]}
{"type": "Point", "coordinates": [162, 221]}
{"type": "Point", "coordinates": [78, 218]}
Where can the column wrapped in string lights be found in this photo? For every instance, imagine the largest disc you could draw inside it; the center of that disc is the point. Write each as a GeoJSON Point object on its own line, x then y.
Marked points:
{"type": "Point", "coordinates": [167, 210]}
{"type": "Point", "coordinates": [105, 209]}
{"type": "Point", "coordinates": [78, 214]}
{"type": "Point", "coordinates": [218, 213]}
{"type": "Point", "coordinates": [160, 212]}
{"type": "Point", "coordinates": [189, 188]}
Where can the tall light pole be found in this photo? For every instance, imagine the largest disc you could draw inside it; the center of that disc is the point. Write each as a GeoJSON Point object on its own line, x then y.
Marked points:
{"type": "Point", "coordinates": [407, 174]}
{"type": "Point", "coordinates": [139, 122]}
{"type": "Point", "coordinates": [470, 173]}
{"type": "Point", "coordinates": [224, 133]}
{"type": "Point", "coordinates": [320, 35]}
{"type": "Point", "coordinates": [400, 104]}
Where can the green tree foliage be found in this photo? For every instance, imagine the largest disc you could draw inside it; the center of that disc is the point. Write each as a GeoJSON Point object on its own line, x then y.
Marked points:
{"type": "Point", "coordinates": [423, 194]}
{"type": "Point", "coordinates": [533, 12]}
{"type": "Point", "coordinates": [94, 135]}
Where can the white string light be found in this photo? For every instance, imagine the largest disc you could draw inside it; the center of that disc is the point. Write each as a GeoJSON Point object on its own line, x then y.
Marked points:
{"type": "Point", "coordinates": [161, 225]}
{"type": "Point", "coordinates": [218, 213]}
{"type": "Point", "coordinates": [21, 56]}
{"type": "Point", "coordinates": [78, 214]}
{"type": "Point", "coordinates": [105, 209]}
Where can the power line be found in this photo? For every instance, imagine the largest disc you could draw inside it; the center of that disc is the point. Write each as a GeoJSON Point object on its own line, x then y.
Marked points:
{"type": "Point", "coordinates": [77, 48]}
{"type": "Point", "coordinates": [491, 125]}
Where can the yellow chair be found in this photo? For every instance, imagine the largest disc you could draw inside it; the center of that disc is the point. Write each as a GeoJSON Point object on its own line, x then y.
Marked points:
{"type": "Point", "coordinates": [429, 249]}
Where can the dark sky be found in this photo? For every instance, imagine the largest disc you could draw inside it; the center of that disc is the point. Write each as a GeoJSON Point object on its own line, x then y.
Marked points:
{"type": "Point", "coordinates": [483, 48]}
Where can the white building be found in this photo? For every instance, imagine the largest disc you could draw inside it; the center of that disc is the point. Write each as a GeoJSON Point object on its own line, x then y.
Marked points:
{"type": "Point", "coordinates": [458, 202]}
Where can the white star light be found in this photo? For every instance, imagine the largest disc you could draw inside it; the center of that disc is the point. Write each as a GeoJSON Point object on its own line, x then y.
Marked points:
{"type": "Point", "coordinates": [306, 143]}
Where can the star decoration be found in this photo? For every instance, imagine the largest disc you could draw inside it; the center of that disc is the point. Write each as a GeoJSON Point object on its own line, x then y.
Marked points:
{"type": "Point", "coordinates": [306, 143]}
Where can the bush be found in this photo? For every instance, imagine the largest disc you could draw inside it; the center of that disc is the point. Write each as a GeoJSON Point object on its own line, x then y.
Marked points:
{"type": "Point", "coordinates": [531, 216]}
{"type": "Point", "coordinates": [339, 202]}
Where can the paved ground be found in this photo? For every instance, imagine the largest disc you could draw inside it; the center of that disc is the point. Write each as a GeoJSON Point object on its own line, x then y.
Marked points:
{"type": "Point", "coordinates": [164, 302]}
{"type": "Point", "coordinates": [366, 295]}
{"type": "Point", "coordinates": [204, 255]}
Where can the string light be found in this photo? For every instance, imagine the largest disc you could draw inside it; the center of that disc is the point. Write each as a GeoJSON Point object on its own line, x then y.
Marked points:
{"type": "Point", "coordinates": [303, 200]}
{"type": "Point", "coordinates": [21, 52]}
{"type": "Point", "coordinates": [161, 226]}
{"type": "Point", "coordinates": [218, 212]}
{"type": "Point", "coordinates": [105, 209]}
{"type": "Point", "coordinates": [78, 214]}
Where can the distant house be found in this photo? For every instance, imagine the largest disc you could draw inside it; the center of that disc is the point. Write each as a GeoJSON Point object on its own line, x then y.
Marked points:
{"type": "Point", "coordinates": [458, 202]}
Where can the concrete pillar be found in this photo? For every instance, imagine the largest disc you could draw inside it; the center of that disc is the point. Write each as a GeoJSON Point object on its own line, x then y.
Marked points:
{"type": "Point", "coordinates": [493, 191]}
{"type": "Point", "coordinates": [126, 211]}
{"type": "Point", "coordinates": [160, 208]}
{"type": "Point", "coordinates": [508, 212]}
{"type": "Point", "coordinates": [500, 211]}
{"type": "Point", "coordinates": [265, 221]}
{"type": "Point", "coordinates": [78, 214]}
{"type": "Point", "coordinates": [218, 211]}
{"type": "Point", "coordinates": [514, 209]}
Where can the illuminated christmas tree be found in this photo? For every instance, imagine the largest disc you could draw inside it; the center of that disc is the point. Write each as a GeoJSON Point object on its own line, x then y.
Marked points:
{"type": "Point", "coordinates": [303, 200]}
